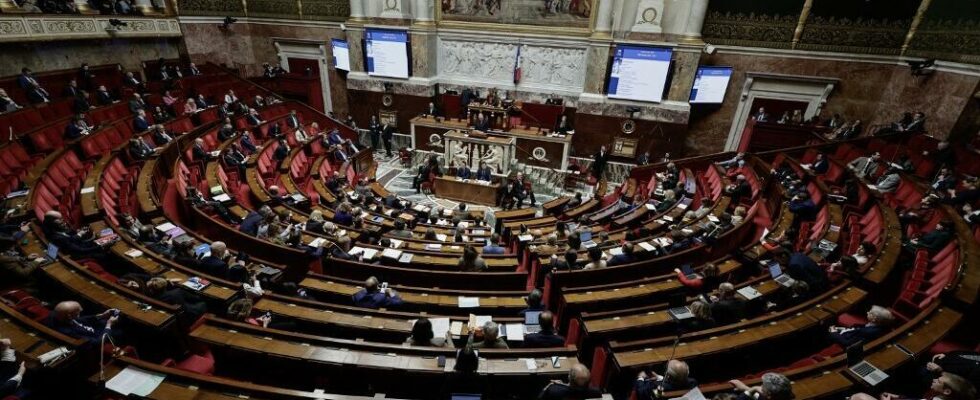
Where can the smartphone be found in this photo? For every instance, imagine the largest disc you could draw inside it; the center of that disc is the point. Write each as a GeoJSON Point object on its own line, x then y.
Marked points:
{"type": "Point", "coordinates": [384, 285]}
{"type": "Point", "coordinates": [115, 312]}
{"type": "Point", "coordinates": [555, 362]}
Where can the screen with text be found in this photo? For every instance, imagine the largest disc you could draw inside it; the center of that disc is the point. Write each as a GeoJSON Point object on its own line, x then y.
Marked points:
{"type": "Point", "coordinates": [710, 84]}
{"type": "Point", "coordinates": [639, 73]}
{"type": "Point", "coordinates": [386, 52]}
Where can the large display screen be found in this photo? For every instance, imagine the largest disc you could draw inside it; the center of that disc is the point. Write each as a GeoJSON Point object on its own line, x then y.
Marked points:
{"type": "Point", "coordinates": [710, 84]}
{"type": "Point", "coordinates": [341, 54]}
{"type": "Point", "coordinates": [386, 53]}
{"type": "Point", "coordinates": [639, 73]}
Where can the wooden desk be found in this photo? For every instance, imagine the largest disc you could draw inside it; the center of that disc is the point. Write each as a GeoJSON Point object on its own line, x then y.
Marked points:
{"type": "Point", "coordinates": [556, 148]}
{"type": "Point", "coordinates": [468, 191]}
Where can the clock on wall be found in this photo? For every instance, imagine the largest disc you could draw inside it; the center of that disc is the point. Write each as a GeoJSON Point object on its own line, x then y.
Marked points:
{"type": "Point", "coordinates": [628, 126]}
{"type": "Point", "coordinates": [387, 100]}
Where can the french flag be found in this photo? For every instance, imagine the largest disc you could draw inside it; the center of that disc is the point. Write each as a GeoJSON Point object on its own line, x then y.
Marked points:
{"type": "Point", "coordinates": [517, 67]}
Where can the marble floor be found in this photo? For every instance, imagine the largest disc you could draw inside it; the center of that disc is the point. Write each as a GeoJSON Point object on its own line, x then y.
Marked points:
{"type": "Point", "coordinates": [398, 179]}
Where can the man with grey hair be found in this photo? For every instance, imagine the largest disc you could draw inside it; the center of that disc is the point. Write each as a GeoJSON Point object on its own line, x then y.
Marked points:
{"type": "Point", "coordinates": [577, 387]}
{"type": "Point", "coordinates": [676, 377]}
{"type": "Point", "coordinates": [491, 338]}
{"type": "Point", "coordinates": [879, 320]}
{"type": "Point", "coordinates": [774, 387]}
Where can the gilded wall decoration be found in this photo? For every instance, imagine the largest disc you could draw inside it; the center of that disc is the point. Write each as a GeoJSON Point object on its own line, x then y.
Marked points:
{"type": "Point", "coordinates": [951, 40]}
{"type": "Point", "coordinates": [756, 30]}
{"type": "Point", "coordinates": [12, 28]}
{"type": "Point", "coordinates": [564, 13]}
{"type": "Point", "coordinates": [854, 35]}
{"type": "Point", "coordinates": [42, 27]}
{"type": "Point", "coordinates": [335, 10]}
{"type": "Point", "coordinates": [273, 8]}
{"type": "Point", "coordinates": [212, 7]}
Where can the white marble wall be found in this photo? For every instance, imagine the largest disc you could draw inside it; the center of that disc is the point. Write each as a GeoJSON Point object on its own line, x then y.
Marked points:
{"type": "Point", "coordinates": [551, 67]}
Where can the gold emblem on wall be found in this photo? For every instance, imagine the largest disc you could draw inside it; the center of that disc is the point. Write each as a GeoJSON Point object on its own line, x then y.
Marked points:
{"type": "Point", "coordinates": [387, 100]}
{"type": "Point", "coordinates": [391, 5]}
{"type": "Point", "coordinates": [628, 126]}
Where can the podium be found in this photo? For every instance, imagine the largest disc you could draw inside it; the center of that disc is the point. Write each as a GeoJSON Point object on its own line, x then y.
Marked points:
{"type": "Point", "coordinates": [462, 149]}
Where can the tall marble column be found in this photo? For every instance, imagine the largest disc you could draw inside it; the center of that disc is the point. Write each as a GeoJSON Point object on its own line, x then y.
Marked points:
{"type": "Point", "coordinates": [686, 60]}
{"type": "Point", "coordinates": [695, 21]}
{"type": "Point", "coordinates": [356, 35]}
{"type": "Point", "coordinates": [603, 18]}
{"type": "Point", "coordinates": [356, 9]}
{"type": "Point", "coordinates": [597, 62]}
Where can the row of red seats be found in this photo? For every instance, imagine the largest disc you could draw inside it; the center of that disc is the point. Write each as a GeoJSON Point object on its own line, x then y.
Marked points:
{"type": "Point", "coordinates": [58, 188]}
{"type": "Point", "coordinates": [15, 163]}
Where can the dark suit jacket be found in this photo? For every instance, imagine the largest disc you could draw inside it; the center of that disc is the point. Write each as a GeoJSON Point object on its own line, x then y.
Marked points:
{"type": "Point", "coordinates": [821, 166]}
{"type": "Point", "coordinates": [543, 339]}
{"type": "Point", "coordinates": [599, 162]}
{"type": "Point", "coordinates": [935, 240]}
{"type": "Point", "coordinates": [561, 391]}
{"type": "Point", "coordinates": [250, 224]}
{"type": "Point", "coordinates": [103, 98]}
{"type": "Point", "coordinates": [482, 126]}
{"type": "Point", "coordinates": [253, 120]}
{"type": "Point", "coordinates": [80, 105]}
{"type": "Point", "coordinates": [387, 131]}
{"type": "Point", "coordinates": [72, 131]}
{"type": "Point", "coordinates": [214, 266]}
{"type": "Point", "coordinates": [374, 299]}
{"type": "Point", "coordinates": [865, 333]}
{"type": "Point", "coordinates": [484, 174]}
{"type": "Point", "coordinates": [292, 121]}
{"type": "Point", "coordinates": [200, 154]}
{"type": "Point", "coordinates": [140, 124]}
{"type": "Point", "coordinates": [463, 172]}
{"type": "Point", "coordinates": [727, 311]}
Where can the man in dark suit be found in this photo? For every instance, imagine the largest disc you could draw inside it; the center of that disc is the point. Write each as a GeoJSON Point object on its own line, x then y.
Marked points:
{"type": "Point", "coordinates": [160, 135]}
{"type": "Point", "coordinates": [879, 320]}
{"type": "Point", "coordinates": [71, 90]}
{"type": "Point", "coordinates": [482, 123]}
{"type": "Point", "coordinates": [599, 161]}
{"type": "Point", "coordinates": [76, 129]}
{"type": "Point", "coordinates": [739, 189]}
{"type": "Point", "coordinates": [86, 77]}
{"type": "Point", "coordinates": [292, 121]}
{"type": "Point", "coordinates": [201, 102]}
{"type": "Point", "coordinates": [334, 138]}
{"type": "Point", "coordinates": [218, 262]}
{"type": "Point", "coordinates": [625, 257]}
{"type": "Point", "coordinates": [102, 96]}
{"type": "Point", "coordinates": [802, 268]}
{"type": "Point", "coordinates": [463, 172]}
{"type": "Point", "coordinates": [965, 363]}
{"type": "Point", "coordinates": [81, 104]}
{"type": "Point", "coordinates": [576, 389]}
{"type": "Point", "coordinates": [11, 372]}
{"type": "Point", "coordinates": [282, 150]}
{"type": "Point", "coordinates": [918, 124]}
{"type": "Point", "coordinates": [67, 319]}
{"type": "Point", "coordinates": [546, 337]}
{"type": "Point", "coordinates": [387, 133]}
{"type": "Point", "coordinates": [136, 103]}
{"type": "Point", "coordinates": [643, 159]}
{"type": "Point", "coordinates": [226, 131]}
{"type": "Point", "coordinates": [519, 190]}
{"type": "Point", "coordinates": [253, 118]}
{"type": "Point", "coordinates": [935, 239]}
{"type": "Point", "coordinates": [563, 126]}
{"type": "Point", "coordinates": [247, 144]}
{"type": "Point", "coordinates": [339, 155]}
{"type": "Point", "coordinates": [727, 308]}
{"type": "Point", "coordinates": [198, 152]}
{"type": "Point", "coordinates": [373, 296]}
{"type": "Point", "coordinates": [676, 377]}
{"type": "Point", "coordinates": [140, 124]}
{"type": "Point", "coordinates": [250, 225]}
{"type": "Point", "coordinates": [192, 70]}
{"type": "Point", "coordinates": [432, 111]}
{"type": "Point", "coordinates": [484, 173]}
{"type": "Point", "coordinates": [802, 208]}
{"type": "Point", "coordinates": [131, 82]}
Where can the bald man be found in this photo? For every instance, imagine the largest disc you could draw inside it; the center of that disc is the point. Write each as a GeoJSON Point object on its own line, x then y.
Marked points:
{"type": "Point", "coordinates": [577, 387]}
{"type": "Point", "coordinates": [67, 318]}
{"type": "Point", "coordinates": [677, 377]}
{"type": "Point", "coordinates": [373, 296]}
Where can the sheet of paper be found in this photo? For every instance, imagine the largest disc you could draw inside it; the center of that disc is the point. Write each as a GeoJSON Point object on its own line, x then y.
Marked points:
{"type": "Point", "coordinates": [391, 253]}
{"type": "Point", "coordinates": [682, 206]}
{"type": "Point", "coordinates": [650, 207]}
{"type": "Point", "coordinates": [405, 258]}
{"type": "Point", "coordinates": [456, 328]}
{"type": "Point", "coordinates": [439, 326]}
{"type": "Point", "coordinates": [396, 243]}
{"type": "Point", "coordinates": [531, 364]}
{"type": "Point", "coordinates": [165, 227]}
{"type": "Point", "coordinates": [525, 238]}
{"type": "Point", "coordinates": [647, 246]}
{"type": "Point", "coordinates": [132, 380]}
{"type": "Point", "coordinates": [616, 251]}
{"type": "Point", "coordinates": [749, 292]}
{"type": "Point", "coordinates": [86, 190]}
{"type": "Point", "coordinates": [515, 331]}
{"type": "Point", "coordinates": [469, 302]}
{"type": "Point", "coordinates": [693, 394]}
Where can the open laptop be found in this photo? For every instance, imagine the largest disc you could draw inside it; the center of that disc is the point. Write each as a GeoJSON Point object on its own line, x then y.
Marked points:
{"type": "Point", "coordinates": [51, 252]}
{"type": "Point", "coordinates": [202, 250]}
{"type": "Point", "coordinates": [531, 324]}
{"type": "Point", "coordinates": [680, 313]}
{"type": "Point", "coordinates": [587, 240]}
{"type": "Point", "coordinates": [779, 276]}
{"type": "Point", "coordinates": [464, 396]}
{"type": "Point", "coordinates": [688, 271]}
{"type": "Point", "coordinates": [867, 371]}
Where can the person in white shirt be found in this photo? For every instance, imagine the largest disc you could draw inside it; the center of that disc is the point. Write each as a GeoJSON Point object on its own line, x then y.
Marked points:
{"type": "Point", "coordinates": [230, 97]}
{"type": "Point", "coordinates": [8, 359]}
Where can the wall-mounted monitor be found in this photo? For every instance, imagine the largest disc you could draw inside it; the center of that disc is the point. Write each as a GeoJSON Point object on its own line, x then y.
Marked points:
{"type": "Point", "coordinates": [341, 54]}
{"type": "Point", "coordinates": [386, 53]}
{"type": "Point", "coordinates": [639, 72]}
{"type": "Point", "coordinates": [710, 84]}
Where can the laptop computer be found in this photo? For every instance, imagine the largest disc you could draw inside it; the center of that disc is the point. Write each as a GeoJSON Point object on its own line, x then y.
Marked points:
{"type": "Point", "coordinates": [587, 240]}
{"type": "Point", "coordinates": [680, 313]}
{"type": "Point", "coordinates": [868, 372]}
{"type": "Point", "coordinates": [464, 396]}
{"type": "Point", "coordinates": [51, 252]}
{"type": "Point", "coordinates": [779, 276]}
{"type": "Point", "coordinates": [688, 271]}
{"type": "Point", "coordinates": [202, 250]}
{"type": "Point", "coordinates": [531, 324]}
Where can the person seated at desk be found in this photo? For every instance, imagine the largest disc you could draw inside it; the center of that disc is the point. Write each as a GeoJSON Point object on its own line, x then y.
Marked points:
{"type": "Point", "coordinates": [726, 308]}
{"type": "Point", "coordinates": [199, 153]}
{"type": "Point", "coordinates": [471, 260]}
{"type": "Point", "coordinates": [563, 126]}
{"type": "Point", "coordinates": [282, 150]}
{"type": "Point", "coordinates": [934, 240]}
{"type": "Point", "coordinates": [463, 172]}
{"type": "Point", "coordinates": [423, 336]}
{"type": "Point", "coordinates": [138, 150]}
{"type": "Point", "coordinates": [491, 337]}
{"type": "Point", "coordinates": [963, 363]}
{"type": "Point", "coordinates": [546, 337]}
{"type": "Point", "coordinates": [250, 224]}
{"type": "Point", "coordinates": [534, 301]}
{"type": "Point", "coordinates": [219, 262]}
{"type": "Point", "coordinates": [373, 296]}
{"type": "Point", "coordinates": [431, 111]}
{"type": "Point", "coordinates": [484, 173]}
{"type": "Point", "coordinates": [577, 387]}
{"type": "Point", "coordinates": [67, 319]}
{"type": "Point", "coordinates": [676, 377]}
{"type": "Point", "coordinates": [234, 157]}
{"type": "Point", "coordinates": [76, 128]}
{"type": "Point", "coordinates": [140, 123]}
{"type": "Point", "coordinates": [344, 215]}
{"type": "Point", "coordinates": [492, 246]}
{"type": "Point", "coordinates": [520, 190]}
{"type": "Point", "coordinates": [11, 373]}
{"type": "Point", "coordinates": [482, 123]}
{"type": "Point", "coordinates": [464, 377]}
{"type": "Point", "coordinates": [247, 144]}
{"type": "Point", "coordinates": [335, 183]}
{"type": "Point", "coordinates": [160, 135]}
{"type": "Point", "coordinates": [165, 291]}
{"type": "Point", "coordinates": [774, 386]}
{"type": "Point", "coordinates": [879, 321]}
{"type": "Point", "coordinates": [625, 257]}
{"type": "Point", "coordinates": [400, 231]}
{"type": "Point", "coordinates": [75, 243]}
{"type": "Point", "coordinates": [865, 167]}
{"type": "Point", "coordinates": [738, 190]}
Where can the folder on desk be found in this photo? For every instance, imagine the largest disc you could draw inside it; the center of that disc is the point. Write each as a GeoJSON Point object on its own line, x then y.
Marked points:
{"type": "Point", "coordinates": [514, 332]}
{"type": "Point", "coordinates": [456, 328]}
{"type": "Point", "coordinates": [391, 253]}
{"type": "Point", "coordinates": [749, 292]}
{"type": "Point", "coordinates": [647, 246]}
{"type": "Point", "coordinates": [165, 227]}
{"type": "Point", "coordinates": [396, 243]}
{"type": "Point", "coordinates": [469, 302]}
{"type": "Point", "coordinates": [405, 258]}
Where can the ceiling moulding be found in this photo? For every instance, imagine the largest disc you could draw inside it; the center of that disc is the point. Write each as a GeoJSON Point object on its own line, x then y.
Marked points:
{"type": "Point", "coordinates": [50, 28]}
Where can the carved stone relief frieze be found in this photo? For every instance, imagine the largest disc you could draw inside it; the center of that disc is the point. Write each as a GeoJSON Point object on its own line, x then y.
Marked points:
{"type": "Point", "coordinates": [492, 63]}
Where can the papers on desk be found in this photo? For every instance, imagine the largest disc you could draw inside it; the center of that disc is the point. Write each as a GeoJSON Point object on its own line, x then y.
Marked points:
{"type": "Point", "coordinates": [18, 193]}
{"type": "Point", "coordinates": [615, 251]}
{"type": "Point", "coordinates": [222, 198]}
{"type": "Point", "coordinates": [693, 394]}
{"type": "Point", "coordinates": [447, 212]}
{"type": "Point", "coordinates": [215, 153]}
{"type": "Point", "coordinates": [531, 363]}
{"type": "Point", "coordinates": [650, 207]}
{"type": "Point", "coordinates": [663, 241]}
{"type": "Point", "coordinates": [433, 246]}
{"type": "Point", "coordinates": [456, 328]}
{"type": "Point", "coordinates": [135, 381]}
{"type": "Point", "coordinates": [441, 237]}
{"type": "Point", "coordinates": [368, 254]}
{"type": "Point", "coordinates": [713, 218]}
{"type": "Point", "coordinates": [514, 332]}
{"type": "Point", "coordinates": [525, 238]}
{"type": "Point", "coordinates": [86, 190]}
{"type": "Point", "coordinates": [668, 218]}
{"type": "Point", "coordinates": [164, 228]}
{"type": "Point", "coordinates": [647, 246]}
{"type": "Point", "coordinates": [442, 222]}
{"type": "Point", "coordinates": [479, 231]}
{"type": "Point", "coordinates": [469, 302]}
{"type": "Point", "coordinates": [682, 206]}
{"type": "Point", "coordinates": [317, 242]}
{"type": "Point", "coordinates": [405, 258]}
{"type": "Point", "coordinates": [749, 292]}
{"type": "Point", "coordinates": [396, 243]}
{"type": "Point", "coordinates": [479, 320]}
{"type": "Point", "coordinates": [133, 253]}
{"type": "Point", "coordinates": [439, 326]}
{"type": "Point", "coordinates": [391, 253]}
